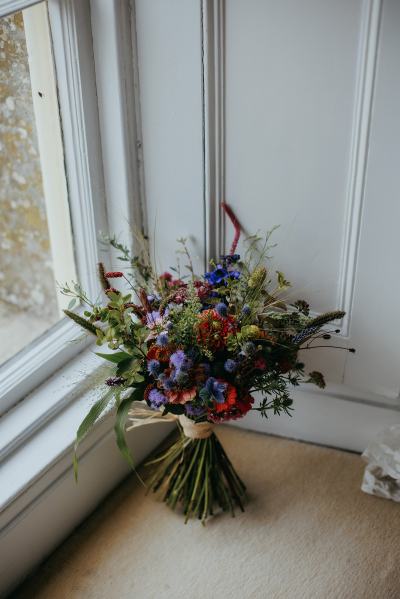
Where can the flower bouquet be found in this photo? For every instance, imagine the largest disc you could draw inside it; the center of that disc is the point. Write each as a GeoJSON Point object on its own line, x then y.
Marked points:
{"type": "Point", "coordinates": [194, 349]}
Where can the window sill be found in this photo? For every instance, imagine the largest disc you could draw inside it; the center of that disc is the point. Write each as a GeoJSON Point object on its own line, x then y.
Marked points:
{"type": "Point", "coordinates": [38, 495]}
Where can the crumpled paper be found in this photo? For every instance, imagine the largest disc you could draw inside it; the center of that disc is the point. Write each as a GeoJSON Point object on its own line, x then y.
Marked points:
{"type": "Point", "coordinates": [382, 474]}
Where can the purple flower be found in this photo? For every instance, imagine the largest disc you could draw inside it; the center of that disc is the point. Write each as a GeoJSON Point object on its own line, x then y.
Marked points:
{"type": "Point", "coordinates": [230, 365]}
{"type": "Point", "coordinates": [151, 298]}
{"type": "Point", "coordinates": [162, 339]}
{"type": "Point", "coordinates": [221, 309]}
{"type": "Point", "coordinates": [180, 361]}
{"type": "Point", "coordinates": [157, 399]}
{"type": "Point", "coordinates": [234, 274]}
{"type": "Point", "coordinates": [153, 319]}
{"type": "Point", "coordinates": [169, 325]}
{"type": "Point", "coordinates": [193, 410]}
{"type": "Point", "coordinates": [153, 366]}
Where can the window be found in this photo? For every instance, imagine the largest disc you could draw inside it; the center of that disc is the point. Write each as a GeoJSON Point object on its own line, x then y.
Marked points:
{"type": "Point", "coordinates": [51, 185]}
{"type": "Point", "coordinates": [35, 228]}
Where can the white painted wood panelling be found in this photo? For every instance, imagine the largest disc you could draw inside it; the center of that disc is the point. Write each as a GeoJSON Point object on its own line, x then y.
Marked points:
{"type": "Point", "coordinates": [291, 72]}
{"type": "Point", "coordinates": [169, 55]}
{"type": "Point", "coordinates": [375, 315]}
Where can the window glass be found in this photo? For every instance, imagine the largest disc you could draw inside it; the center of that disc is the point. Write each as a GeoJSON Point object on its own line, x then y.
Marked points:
{"type": "Point", "coordinates": [35, 233]}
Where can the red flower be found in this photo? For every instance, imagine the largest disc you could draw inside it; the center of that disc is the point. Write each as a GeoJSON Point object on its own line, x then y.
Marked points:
{"type": "Point", "coordinates": [162, 354]}
{"type": "Point", "coordinates": [166, 276]}
{"type": "Point", "coordinates": [233, 411]}
{"type": "Point", "coordinates": [214, 329]}
{"type": "Point", "coordinates": [114, 275]}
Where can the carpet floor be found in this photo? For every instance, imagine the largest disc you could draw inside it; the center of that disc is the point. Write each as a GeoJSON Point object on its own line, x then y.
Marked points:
{"type": "Point", "coordinates": [308, 532]}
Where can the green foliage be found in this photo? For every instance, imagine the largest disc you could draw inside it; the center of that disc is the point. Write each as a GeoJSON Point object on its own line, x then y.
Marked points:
{"type": "Point", "coordinates": [82, 322]}
{"type": "Point", "coordinates": [88, 422]}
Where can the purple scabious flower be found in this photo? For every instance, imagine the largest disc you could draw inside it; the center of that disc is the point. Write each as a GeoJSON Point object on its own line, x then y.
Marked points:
{"type": "Point", "coordinates": [215, 389]}
{"type": "Point", "coordinates": [180, 360]}
{"type": "Point", "coordinates": [230, 365]}
{"type": "Point", "coordinates": [151, 298]}
{"type": "Point", "coordinates": [162, 339]}
{"type": "Point", "coordinates": [221, 309]}
{"type": "Point", "coordinates": [169, 325]}
{"type": "Point", "coordinates": [157, 399]}
{"type": "Point", "coordinates": [153, 366]}
{"type": "Point", "coordinates": [153, 319]}
{"type": "Point", "coordinates": [246, 310]}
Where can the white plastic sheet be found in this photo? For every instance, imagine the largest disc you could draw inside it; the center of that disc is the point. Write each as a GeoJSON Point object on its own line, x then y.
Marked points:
{"type": "Point", "coordinates": [382, 474]}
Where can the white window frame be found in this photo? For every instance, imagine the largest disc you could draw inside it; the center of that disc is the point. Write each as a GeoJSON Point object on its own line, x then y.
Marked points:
{"type": "Point", "coordinates": [70, 30]}
{"type": "Point", "coordinates": [97, 79]}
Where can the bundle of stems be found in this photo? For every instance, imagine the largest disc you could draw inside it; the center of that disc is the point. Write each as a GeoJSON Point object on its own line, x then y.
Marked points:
{"type": "Point", "coordinates": [197, 475]}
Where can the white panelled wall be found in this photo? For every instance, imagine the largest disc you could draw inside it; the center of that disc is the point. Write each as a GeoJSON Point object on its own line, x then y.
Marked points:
{"type": "Point", "coordinates": [290, 112]}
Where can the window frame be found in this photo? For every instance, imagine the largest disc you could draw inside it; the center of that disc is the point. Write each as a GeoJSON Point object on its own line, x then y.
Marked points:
{"type": "Point", "coordinates": [70, 27]}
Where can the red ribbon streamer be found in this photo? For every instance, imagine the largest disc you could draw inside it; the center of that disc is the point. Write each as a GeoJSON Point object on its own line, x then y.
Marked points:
{"type": "Point", "coordinates": [236, 224]}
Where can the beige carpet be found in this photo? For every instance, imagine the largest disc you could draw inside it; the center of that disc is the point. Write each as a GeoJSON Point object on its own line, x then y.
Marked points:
{"type": "Point", "coordinates": [308, 532]}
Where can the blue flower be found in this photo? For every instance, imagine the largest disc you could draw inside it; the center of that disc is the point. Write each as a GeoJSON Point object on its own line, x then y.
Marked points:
{"type": "Point", "coordinates": [162, 339]}
{"type": "Point", "coordinates": [230, 365]}
{"type": "Point", "coordinates": [157, 399]}
{"type": "Point", "coordinates": [246, 310]}
{"type": "Point", "coordinates": [216, 276]}
{"type": "Point", "coordinates": [153, 366]}
{"type": "Point", "coordinates": [213, 389]}
{"type": "Point", "coordinates": [180, 361]}
{"type": "Point", "coordinates": [234, 274]}
{"type": "Point", "coordinates": [221, 309]}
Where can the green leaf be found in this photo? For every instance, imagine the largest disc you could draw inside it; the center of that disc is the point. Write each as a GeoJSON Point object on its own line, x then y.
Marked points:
{"type": "Point", "coordinates": [119, 429]}
{"type": "Point", "coordinates": [120, 420]}
{"type": "Point", "coordinates": [116, 357]}
{"type": "Point", "coordinates": [87, 423]}
{"type": "Point", "coordinates": [72, 303]}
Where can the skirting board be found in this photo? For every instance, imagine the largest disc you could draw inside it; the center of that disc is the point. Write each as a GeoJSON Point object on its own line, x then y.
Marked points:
{"type": "Point", "coordinates": [326, 419]}
{"type": "Point", "coordinates": [37, 529]}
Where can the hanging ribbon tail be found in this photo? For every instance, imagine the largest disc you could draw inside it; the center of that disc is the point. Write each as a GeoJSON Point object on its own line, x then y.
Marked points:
{"type": "Point", "coordinates": [140, 414]}
{"type": "Point", "coordinates": [236, 225]}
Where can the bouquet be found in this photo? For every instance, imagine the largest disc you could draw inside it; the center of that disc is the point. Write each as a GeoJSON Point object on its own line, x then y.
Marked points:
{"type": "Point", "coordinates": [195, 349]}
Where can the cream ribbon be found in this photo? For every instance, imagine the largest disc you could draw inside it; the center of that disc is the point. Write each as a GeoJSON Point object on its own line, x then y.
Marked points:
{"type": "Point", "coordinates": [140, 414]}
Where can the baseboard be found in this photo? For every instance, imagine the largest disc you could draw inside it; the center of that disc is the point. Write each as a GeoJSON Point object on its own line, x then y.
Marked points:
{"type": "Point", "coordinates": [326, 419]}
{"type": "Point", "coordinates": [56, 504]}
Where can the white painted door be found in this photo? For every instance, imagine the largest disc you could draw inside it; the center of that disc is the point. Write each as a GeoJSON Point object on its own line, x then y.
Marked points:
{"type": "Point", "coordinates": [290, 111]}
